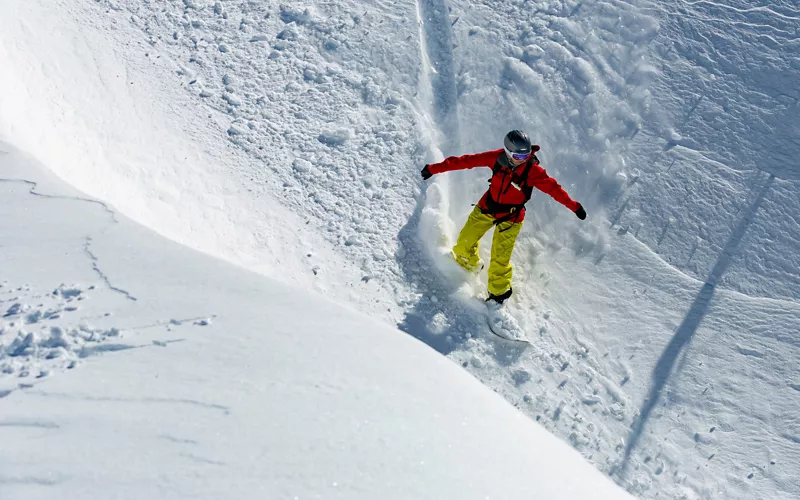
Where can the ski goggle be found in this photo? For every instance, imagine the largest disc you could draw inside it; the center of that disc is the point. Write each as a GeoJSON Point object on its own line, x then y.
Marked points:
{"type": "Point", "coordinates": [518, 156]}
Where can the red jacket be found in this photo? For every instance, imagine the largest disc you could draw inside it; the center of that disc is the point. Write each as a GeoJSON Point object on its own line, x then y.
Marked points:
{"type": "Point", "coordinates": [507, 186]}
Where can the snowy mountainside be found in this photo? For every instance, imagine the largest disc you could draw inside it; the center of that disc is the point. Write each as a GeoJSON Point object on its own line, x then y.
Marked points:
{"type": "Point", "coordinates": [219, 382]}
{"type": "Point", "coordinates": [658, 117]}
{"type": "Point", "coordinates": [321, 96]}
{"type": "Point", "coordinates": [626, 344]}
{"type": "Point", "coordinates": [726, 113]}
{"type": "Point", "coordinates": [662, 326]}
{"type": "Point", "coordinates": [271, 163]}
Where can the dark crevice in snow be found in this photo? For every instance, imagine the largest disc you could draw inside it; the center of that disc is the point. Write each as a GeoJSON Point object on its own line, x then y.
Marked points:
{"type": "Point", "coordinates": [88, 351]}
{"type": "Point", "coordinates": [39, 481]}
{"type": "Point", "coordinates": [34, 185]}
{"type": "Point", "coordinates": [101, 273]}
{"type": "Point", "coordinates": [181, 401]}
{"type": "Point", "coordinates": [31, 424]}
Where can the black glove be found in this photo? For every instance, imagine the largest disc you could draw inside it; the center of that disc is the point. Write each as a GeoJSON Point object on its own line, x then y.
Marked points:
{"type": "Point", "coordinates": [580, 212]}
{"type": "Point", "coordinates": [426, 173]}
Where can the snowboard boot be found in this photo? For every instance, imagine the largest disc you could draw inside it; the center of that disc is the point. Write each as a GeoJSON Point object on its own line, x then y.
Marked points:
{"type": "Point", "coordinates": [466, 264]}
{"type": "Point", "coordinates": [499, 298]}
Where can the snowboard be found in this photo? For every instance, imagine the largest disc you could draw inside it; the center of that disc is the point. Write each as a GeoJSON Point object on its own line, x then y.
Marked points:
{"type": "Point", "coordinates": [499, 320]}
{"type": "Point", "coordinates": [503, 324]}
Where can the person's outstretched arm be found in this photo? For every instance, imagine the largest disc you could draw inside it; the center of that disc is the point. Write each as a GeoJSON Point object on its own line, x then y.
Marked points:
{"type": "Point", "coordinates": [540, 180]}
{"type": "Point", "coordinates": [486, 159]}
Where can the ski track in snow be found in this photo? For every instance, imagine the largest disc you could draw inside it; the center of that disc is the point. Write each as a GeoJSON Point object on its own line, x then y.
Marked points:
{"type": "Point", "coordinates": [663, 328]}
{"type": "Point", "coordinates": [442, 325]}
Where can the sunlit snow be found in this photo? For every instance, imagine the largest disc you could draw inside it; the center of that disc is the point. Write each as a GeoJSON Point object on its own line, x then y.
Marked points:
{"type": "Point", "coordinates": [284, 140]}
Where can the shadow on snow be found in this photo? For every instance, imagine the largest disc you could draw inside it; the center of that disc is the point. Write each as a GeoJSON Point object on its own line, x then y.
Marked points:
{"type": "Point", "coordinates": [685, 332]}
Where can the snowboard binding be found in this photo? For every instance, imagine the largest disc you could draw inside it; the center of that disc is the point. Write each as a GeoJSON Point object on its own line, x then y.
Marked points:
{"type": "Point", "coordinates": [500, 298]}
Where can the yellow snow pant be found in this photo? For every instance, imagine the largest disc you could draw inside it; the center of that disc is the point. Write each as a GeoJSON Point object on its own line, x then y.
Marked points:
{"type": "Point", "coordinates": [505, 236]}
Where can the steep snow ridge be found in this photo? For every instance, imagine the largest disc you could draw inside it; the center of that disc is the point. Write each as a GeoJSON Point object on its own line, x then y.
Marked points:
{"type": "Point", "coordinates": [320, 95]}
{"type": "Point", "coordinates": [121, 118]}
{"type": "Point", "coordinates": [283, 395]}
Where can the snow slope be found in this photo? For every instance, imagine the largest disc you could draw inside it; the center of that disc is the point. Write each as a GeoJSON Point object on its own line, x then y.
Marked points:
{"type": "Point", "coordinates": [664, 327]}
{"type": "Point", "coordinates": [192, 378]}
{"type": "Point", "coordinates": [110, 114]}
{"type": "Point", "coordinates": [674, 385]}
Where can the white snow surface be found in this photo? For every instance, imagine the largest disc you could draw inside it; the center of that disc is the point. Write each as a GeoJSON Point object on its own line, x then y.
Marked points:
{"type": "Point", "coordinates": [199, 379]}
{"type": "Point", "coordinates": [286, 138]}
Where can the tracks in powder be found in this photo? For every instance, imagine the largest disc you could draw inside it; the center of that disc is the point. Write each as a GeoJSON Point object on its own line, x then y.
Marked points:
{"type": "Point", "coordinates": [438, 71]}
{"type": "Point", "coordinates": [435, 318]}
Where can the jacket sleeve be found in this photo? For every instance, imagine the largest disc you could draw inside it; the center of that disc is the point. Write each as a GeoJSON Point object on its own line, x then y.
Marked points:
{"type": "Point", "coordinates": [540, 180]}
{"type": "Point", "coordinates": [486, 159]}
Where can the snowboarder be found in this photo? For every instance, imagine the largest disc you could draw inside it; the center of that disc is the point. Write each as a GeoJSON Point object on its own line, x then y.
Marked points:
{"type": "Point", "coordinates": [515, 172]}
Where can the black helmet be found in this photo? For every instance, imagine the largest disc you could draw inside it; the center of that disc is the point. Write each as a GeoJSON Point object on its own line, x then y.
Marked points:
{"type": "Point", "coordinates": [517, 145]}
